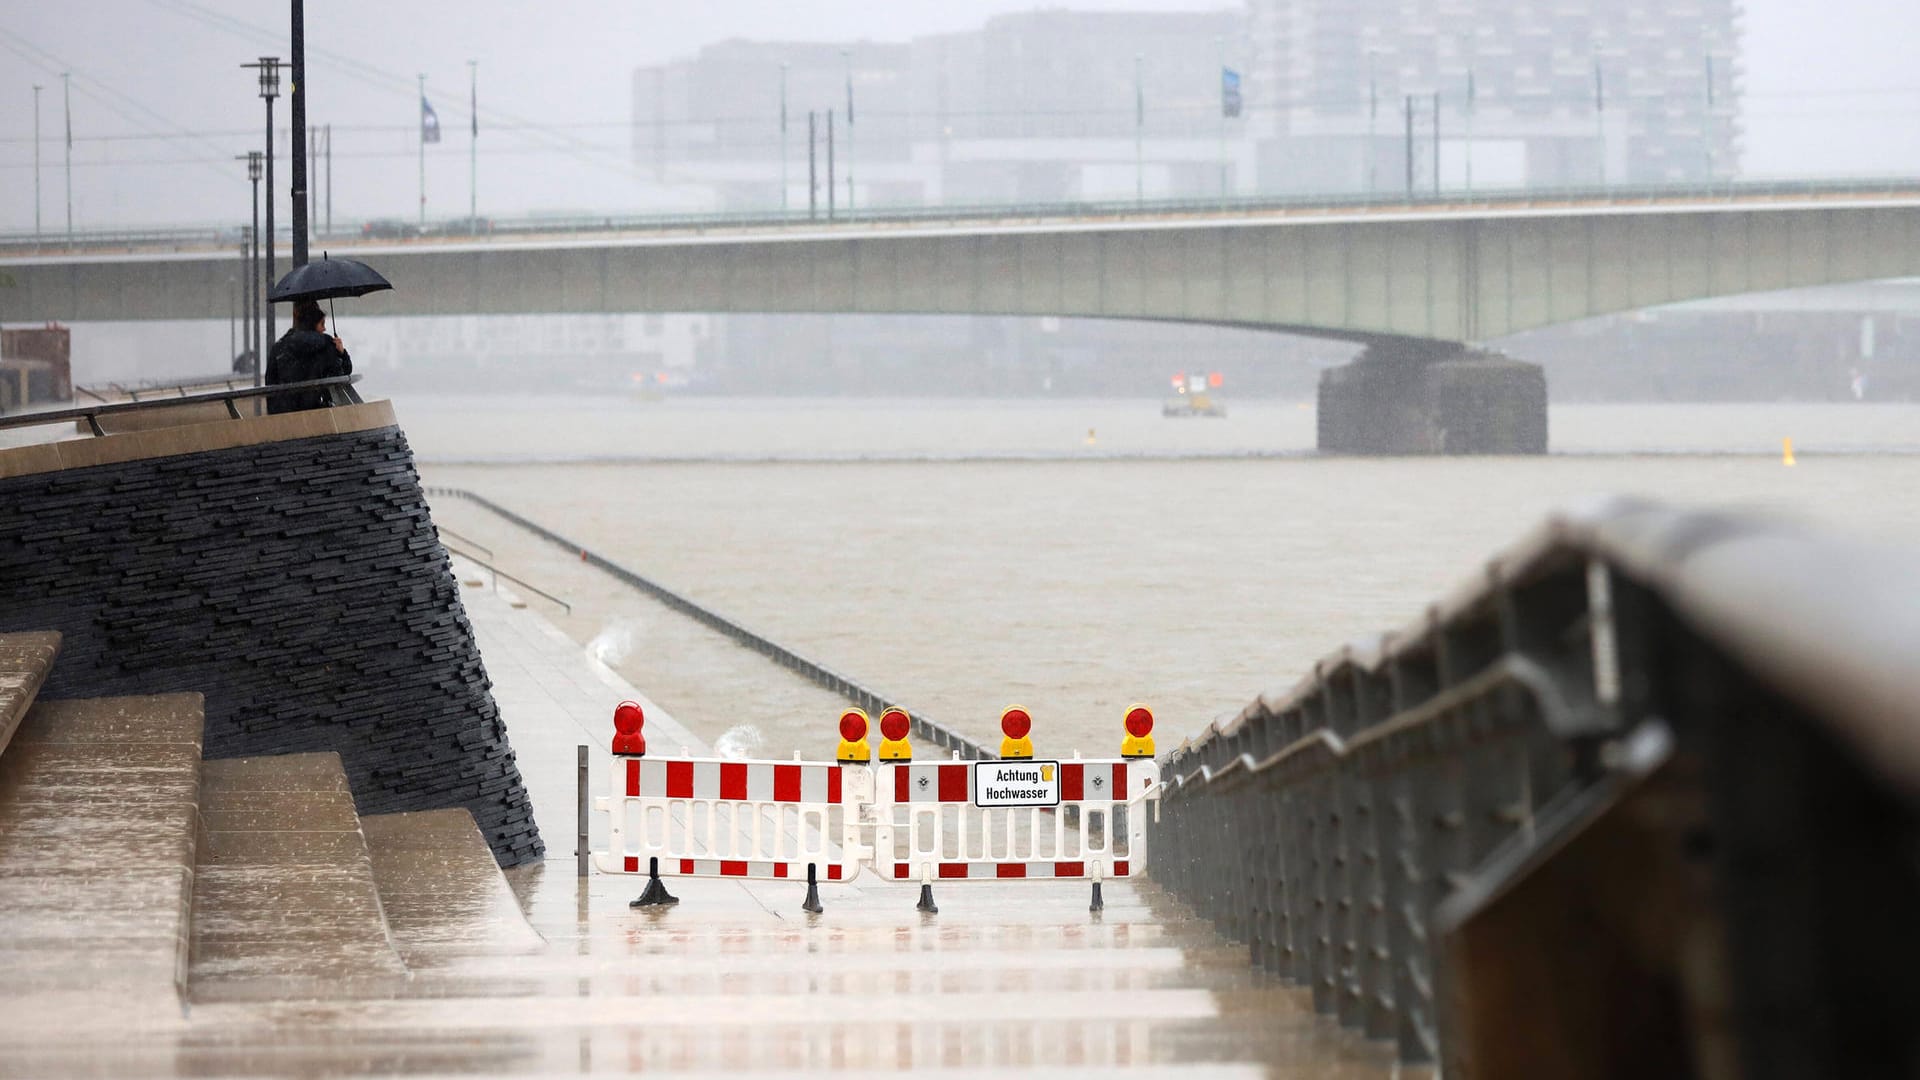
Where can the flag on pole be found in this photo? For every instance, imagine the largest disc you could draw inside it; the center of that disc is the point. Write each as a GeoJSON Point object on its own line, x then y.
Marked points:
{"type": "Point", "coordinates": [849, 98]}
{"type": "Point", "coordinates": [429, 122]}
{"type": "Point", "coordinates": [1229, 92]}
{"type": "Point", "coordinates": [473, 106]}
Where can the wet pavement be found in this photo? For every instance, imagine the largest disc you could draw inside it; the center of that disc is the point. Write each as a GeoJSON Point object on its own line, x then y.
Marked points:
{"type": "Point", "coordinates": [539, 972]}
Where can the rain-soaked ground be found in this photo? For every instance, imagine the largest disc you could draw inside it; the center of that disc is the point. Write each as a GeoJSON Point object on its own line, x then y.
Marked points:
{"type": "Point", "coordinates": [734, 979]}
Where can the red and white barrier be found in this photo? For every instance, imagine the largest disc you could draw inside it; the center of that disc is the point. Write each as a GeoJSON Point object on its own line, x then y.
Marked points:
{"type": "Point", "coordinates": [1001, 820]}
{"type": "Point", "coordinates": [702, 817]}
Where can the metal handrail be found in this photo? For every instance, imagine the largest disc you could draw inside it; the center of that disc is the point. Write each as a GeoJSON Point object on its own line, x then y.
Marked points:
{"type": "Point", "coordinates": [339, 390]}
{"type": "Point", "coordinates": [498, 573]}
{"type": "Point", "coordinates": [1119, 209]}
{"type": "Point", "coordinates": [866, 697]}
{"type": "Point", "coordinates": [134, 389]}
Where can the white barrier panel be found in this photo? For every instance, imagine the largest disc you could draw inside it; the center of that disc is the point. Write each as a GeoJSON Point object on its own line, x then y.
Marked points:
{"type": "Point", "coordinates": [742, 819]}
{"type": "Point", "coordinates": [1001, 820]}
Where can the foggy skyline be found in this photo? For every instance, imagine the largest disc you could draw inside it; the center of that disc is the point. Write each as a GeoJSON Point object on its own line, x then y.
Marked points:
{"type": "Point", "coordinates": [1827, 91]}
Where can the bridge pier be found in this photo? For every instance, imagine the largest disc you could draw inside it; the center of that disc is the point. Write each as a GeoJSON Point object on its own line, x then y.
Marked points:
{"type": "Point", "coordinates": [1412, 397]}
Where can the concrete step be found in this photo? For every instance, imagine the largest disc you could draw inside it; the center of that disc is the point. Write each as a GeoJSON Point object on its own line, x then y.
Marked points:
{"type": "Point", "coordinates": [24, 662]}
{"type": "Point", "coordinates": [97, 847]}
{"type": "Point", "coordinates": [284, 899]}
{"type": "Point", "coordinates": [443, 892]}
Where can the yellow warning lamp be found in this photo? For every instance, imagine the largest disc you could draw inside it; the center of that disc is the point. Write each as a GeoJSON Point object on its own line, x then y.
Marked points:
{"type": "Point", "coordinates": [1139, 740]}
{"type": "Point", "coordinates": [853, 749]}
{"type": "Point", "coordinates": [894, 726]}
{"type": "Point", "coordinates": [1015, 723]}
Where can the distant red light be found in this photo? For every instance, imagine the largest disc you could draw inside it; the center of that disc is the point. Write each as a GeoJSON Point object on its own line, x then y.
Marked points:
{"type": "Point", "coordinates": [1015, 723]}
{"type": "Point", "coordinates": [894, 724]}
{"type": "Point", "coordinates": [1214, 380]}
{"type": "Point", "coordinates": [628, 718]}
{"type": "Point", "coordinates": [1139, 721]}
{"type": "Point", "coordinates": [853, 726]}
{"type": "Point", "coordinates": [1180, 380]}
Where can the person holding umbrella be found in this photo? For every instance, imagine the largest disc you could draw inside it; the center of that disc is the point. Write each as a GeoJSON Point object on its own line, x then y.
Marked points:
{"type": "Point", "coordinates": [307, 351]}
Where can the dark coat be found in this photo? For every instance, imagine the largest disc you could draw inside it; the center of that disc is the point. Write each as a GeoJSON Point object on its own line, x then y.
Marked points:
{"type": "Point", "coordinates": [299, 356]}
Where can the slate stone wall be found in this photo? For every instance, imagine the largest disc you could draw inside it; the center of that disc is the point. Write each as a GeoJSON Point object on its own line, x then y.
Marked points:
{"type": "Point", "coordinates": [299, 585]}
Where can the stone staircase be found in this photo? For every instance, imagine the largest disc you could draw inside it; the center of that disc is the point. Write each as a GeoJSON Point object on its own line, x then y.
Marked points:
{"type": "Point", "coordinates": [165, 915]}
{"type": "Point", "coordinates": [138, 881]}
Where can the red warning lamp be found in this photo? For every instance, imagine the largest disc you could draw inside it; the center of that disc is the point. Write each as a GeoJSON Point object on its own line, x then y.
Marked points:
{"type": "Point", "coordinates": [894, 725]}
{"type": "Point", "coordinates": [1180, 380]}
{"type": "Point", "coordinates": [1015, 723]}
{"type": "Point", "coordinates": [1139, 740]}
{"type": "Point", "coordinates": [628, 719]}
{"type": "Point", "coordinates": [853, 725]}
{"type": "Point", "coordinates": [1214, 380]}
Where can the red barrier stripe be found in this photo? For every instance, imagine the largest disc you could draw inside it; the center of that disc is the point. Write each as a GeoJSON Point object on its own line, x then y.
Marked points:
{"type": "Point", "coordinates": [786, 783]}
{"type": "Point", "coordinates": [900, 868]}
{"type": "Point", "coordinates": [953, 784]}
{"type": "Point", "coordinates": [833, 872]}
{"type": "Point", "coordinates": [1073, 782]}
{"type": "Point", "coordinates": [730, 868]}
{"type": "Point", "coordinates": [953, 869]}
{"type": "Point", "coordinates": [779, 869]}
{"type": "Point", "coordinates": [900, 786]}
{"type": "Point", "coordinates": [1010, 870]}
{"type": "Point", "coordinates": [833, 785]}
{"type": "Point", "coordinates": [679, 779]}
{"type": "Point", "coordinates": [1119, 792]}
{"type": "Point", "coordinates": [1120, 868]}
{"type": "Point", "coordinates": [686, 866]}
{"type": "Point", "coordinates": [733, 780]}
{"type": "Point", "coordinates": [1069, 869]}
{"type": "Point", "coordinates": [633, 776]}
{"type": "Point", "coordinates": [632, 865]}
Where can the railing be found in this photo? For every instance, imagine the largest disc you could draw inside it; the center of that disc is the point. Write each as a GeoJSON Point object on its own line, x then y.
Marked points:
{"type": "Point", "coordinates": [132, 390]}
{"type": "Point", "coordinates": [873, 701]}
{"type": "Point", "coordinates": [211, 237]}
{"type": "Point", "coordinates": [1652, 781]}
{"type": "Point", "coordinates": [498, 573]}
{"type": "Point", "coordinates": [339, 391]}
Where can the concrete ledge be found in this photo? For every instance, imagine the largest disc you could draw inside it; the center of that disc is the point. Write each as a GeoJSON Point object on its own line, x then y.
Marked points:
{"type": "Point", "coordinates": [24, 662]}
{"type": "Point", "coordinates": [192, 438]}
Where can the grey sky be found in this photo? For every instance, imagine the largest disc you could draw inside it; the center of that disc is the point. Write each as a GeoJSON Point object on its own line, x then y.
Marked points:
{"type": "Point", "coordinates": [1831, 90]}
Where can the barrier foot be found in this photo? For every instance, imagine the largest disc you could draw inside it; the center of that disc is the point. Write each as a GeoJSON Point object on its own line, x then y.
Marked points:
{"type": "Point", "coordinates": [1098, 904]}
{"type": "Point", "coordinates": [926, 901]}
{"type": "Point", "coordinates": [655, 894]}
{"type": "Point", "coordinates": [812, 902]}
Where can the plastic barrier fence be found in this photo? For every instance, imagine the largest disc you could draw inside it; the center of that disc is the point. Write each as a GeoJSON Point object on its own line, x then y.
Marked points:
{"type": "Point", "coordinates": [1001, 820]}
{"type": "Point", "coordinates": [1016, 818]}
{"type": "Point", "coordinates": [695, 817]}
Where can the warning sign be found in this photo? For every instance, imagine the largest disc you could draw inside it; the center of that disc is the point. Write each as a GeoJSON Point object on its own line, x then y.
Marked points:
{"type": "Point", "coordinates": [1016, 783]}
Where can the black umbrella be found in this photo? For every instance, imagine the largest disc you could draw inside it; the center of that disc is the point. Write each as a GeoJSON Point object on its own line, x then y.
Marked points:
{"type": "Point", "coordinates": [325, 278]}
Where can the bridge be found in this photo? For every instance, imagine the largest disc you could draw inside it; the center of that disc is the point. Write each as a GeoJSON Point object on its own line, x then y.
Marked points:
{"type": "Point", "coordinates": [1423, 284]}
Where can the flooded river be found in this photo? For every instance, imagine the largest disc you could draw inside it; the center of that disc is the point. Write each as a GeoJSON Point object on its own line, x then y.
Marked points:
{"type": "Point", "coordinates": [1067, 582]}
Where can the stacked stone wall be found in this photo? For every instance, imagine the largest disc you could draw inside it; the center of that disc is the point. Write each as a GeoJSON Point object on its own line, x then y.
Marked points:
{"type": "Point", "coordinates": [300, 586]}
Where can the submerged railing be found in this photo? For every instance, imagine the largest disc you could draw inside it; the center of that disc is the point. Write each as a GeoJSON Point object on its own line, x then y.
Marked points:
{"type": "Point", "coordinates": [1639, 801]}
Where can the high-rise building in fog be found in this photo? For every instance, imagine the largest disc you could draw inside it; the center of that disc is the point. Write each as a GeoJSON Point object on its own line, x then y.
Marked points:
{"type": "Point", "coordinates": [1032, 107]}
{"type": "Point", "coordinates": [1333, 80]}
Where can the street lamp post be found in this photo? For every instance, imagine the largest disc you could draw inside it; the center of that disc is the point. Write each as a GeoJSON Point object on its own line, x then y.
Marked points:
{"type": "Point", "coordinates": [297, 102]}
{"type": "Point", "coordinates": [422, 136]}
{"type": "Point", "coordinates": [269, 69]}
{"type": "Point", "coordinates": [813, 179]}
{"type": "Point", "coordinates": [66, 91]}
{"type": "Point", "coordinates": [253, 305]}
{"type": "Point", "coordinates": [1139, 132]}
{"type": "Point", "coordinates": [36, 165]}
{"type": "Point", "coordinates": [473, 147]}
{"type": "Point", "coordinates": [1373, 123]}
{"type": "Point", "coordinates": [847, 62]}
{"type": "Point", "coordinates": [783, 136]}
